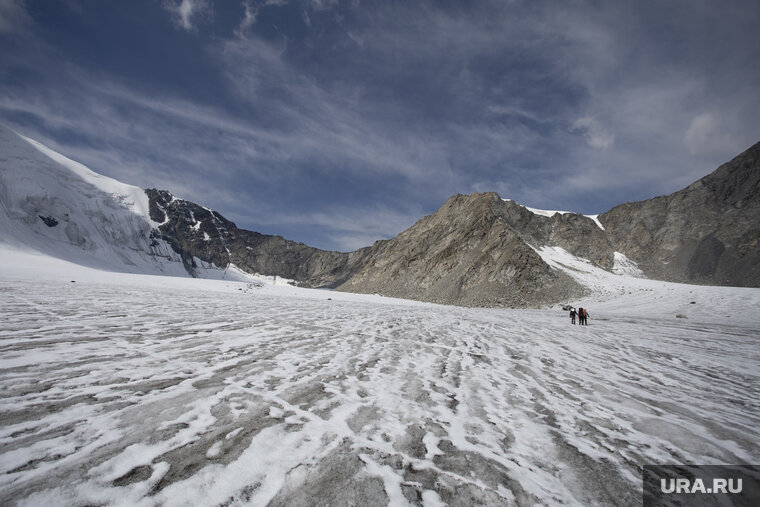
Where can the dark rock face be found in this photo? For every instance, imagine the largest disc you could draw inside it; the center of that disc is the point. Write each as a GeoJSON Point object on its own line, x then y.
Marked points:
{"type": "Point", "coordinates": [192, 231]}
{"type": "Point", "coordinates": [196, 232]}
{"type": "Point", "coordinates": [49, 221]}
{"type": "Point", "coordinates": [707, 233]}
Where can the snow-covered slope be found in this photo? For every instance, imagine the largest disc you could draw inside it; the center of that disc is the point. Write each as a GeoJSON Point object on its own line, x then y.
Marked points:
{"type": "Point", "coordinates": [624, 276]}
{"type": "Point", "coordinates": [53, 205]}
{"type": "Point", "coordinates": [145, 391]}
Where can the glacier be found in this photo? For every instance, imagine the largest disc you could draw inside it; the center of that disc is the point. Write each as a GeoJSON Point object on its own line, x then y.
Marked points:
{"type": "Point", "coordinates": [128, 389]}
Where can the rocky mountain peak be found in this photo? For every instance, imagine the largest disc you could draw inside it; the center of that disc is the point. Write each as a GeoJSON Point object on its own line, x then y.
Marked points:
{"type": "Point", "coordinates": [465, 253]}
{"type": "Point", "coordinates": [737, 182]}
{"type": "Point", "coordinates": [191, 230]}
{"type": "Point", "coordinates": [706, 233]}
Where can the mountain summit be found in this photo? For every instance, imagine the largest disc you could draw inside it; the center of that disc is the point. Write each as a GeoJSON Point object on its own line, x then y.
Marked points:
{"type": "Point", "coordinates": [468, 252]}
{"type": "Point", "coordinates": [476, 250]}
{"type": "Point", "coordinates": [707, 233]}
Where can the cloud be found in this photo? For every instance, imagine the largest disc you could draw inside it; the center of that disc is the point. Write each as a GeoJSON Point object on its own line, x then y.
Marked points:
{"type": "Point", "coordinates": [182, 146]}
{"type": "Point", "coordinates": [502, 110]}
{"type": "Point", "coordinates": [13, 16]}
{"type": "Point", "coordinates": [708, 135]}
{"type": "Point", "coordinates": [250, 13]}
{"type": "Point", "coordinates": [700, 130]}
{"type": "Point", "coordinates": [559, 107]}
{"type": "Point", "coordinates": [321, 5]}
{"type": "Point", "coordinates": [349, 242]}
{"type": "Point", "coordinates": [358, 39]}
{"type": "Point", "coordinates": [178, 145]}
{"type": "Point", "coordinates": [186, 14]}
{"type": "Point", "coordinates": [318, 124]}
{"type": "Point", "coordinates": [251, 10]}
{"type": "Point", "coordinates": [596, 136]}
{"type": "Point", "coordinates": [346, 228]}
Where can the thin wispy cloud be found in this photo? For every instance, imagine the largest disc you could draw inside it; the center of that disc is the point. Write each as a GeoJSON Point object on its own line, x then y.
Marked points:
{"type": "Point", "coordinates": [595, 134]}
{"type": "Point", "coordinates": [327, 121]}
{"type": "Point", "coordinates": [347, 228]}
{"type": "Point", "coordinates": [13, 16]}
{"type": "Point", "coordinates": [707, 133]}
{"type": "Point", "coordinates": [186, 14]}
{"type": "Point", "coordinates": [251, 10]}
{"type": "Point", "coordinates": [321, 5]}
{"type": "Point", "coordinates": [250, 13]}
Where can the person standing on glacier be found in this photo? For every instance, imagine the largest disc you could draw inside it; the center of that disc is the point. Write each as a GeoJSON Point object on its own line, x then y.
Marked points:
{"type": "Point", "coordinates": [572, 315]}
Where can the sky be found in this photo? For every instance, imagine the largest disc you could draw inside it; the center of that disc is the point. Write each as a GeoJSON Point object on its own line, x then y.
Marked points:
{"type": "Point", "coordinates": [338, 123]}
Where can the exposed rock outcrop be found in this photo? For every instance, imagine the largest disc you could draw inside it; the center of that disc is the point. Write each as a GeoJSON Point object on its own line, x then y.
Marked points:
{"type": "Point", "coordinates": [468, 253]}
{"type": "Point", "coordinates": [707, 233]}
{"type": "Point", "coordinates": [196, 232]}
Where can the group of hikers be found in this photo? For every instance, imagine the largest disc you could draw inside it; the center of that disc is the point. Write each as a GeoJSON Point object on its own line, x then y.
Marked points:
{"type": "Point", "coordinates": [582, 314]}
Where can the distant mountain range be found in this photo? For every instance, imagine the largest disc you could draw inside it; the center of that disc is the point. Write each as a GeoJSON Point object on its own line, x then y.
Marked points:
{"type": "Point", "coordinates": [476, 250]}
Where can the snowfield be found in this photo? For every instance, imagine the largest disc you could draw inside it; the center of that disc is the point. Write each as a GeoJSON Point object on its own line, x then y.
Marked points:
{"type": "Point", "coordinates": [123, 389]}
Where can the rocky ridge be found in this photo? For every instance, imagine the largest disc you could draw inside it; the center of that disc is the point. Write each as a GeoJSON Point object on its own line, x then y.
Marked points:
{"type": "Point", "coordinates": [707, 233]}
{"type": "Point", "coordinates": [470, 253]}
{"type": "Point", "coordinates": [199, 233]}
{"type": "Point", "coordinates": [482, 250]}
{"type": "Point", "coordinates": [476, 250]}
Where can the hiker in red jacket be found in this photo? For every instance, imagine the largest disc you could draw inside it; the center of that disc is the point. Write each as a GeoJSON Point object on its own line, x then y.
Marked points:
{"type": "Point", "coordinates": [582, 316]}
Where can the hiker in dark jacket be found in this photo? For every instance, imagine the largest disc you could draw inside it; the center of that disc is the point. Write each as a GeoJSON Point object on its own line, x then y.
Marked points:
{"type": "Point", "coordinates": [572, 315]}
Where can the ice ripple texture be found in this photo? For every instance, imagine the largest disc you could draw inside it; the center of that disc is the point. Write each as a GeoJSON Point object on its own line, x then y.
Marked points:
{"type": "Point", "coordinates": [124, 395]}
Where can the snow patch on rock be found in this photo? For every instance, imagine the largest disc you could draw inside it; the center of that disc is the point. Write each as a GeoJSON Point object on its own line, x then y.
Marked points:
{"type": "Point", "coordinates": [551, 213]}
{"type": "Point", "coordinates": [625, 266]}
